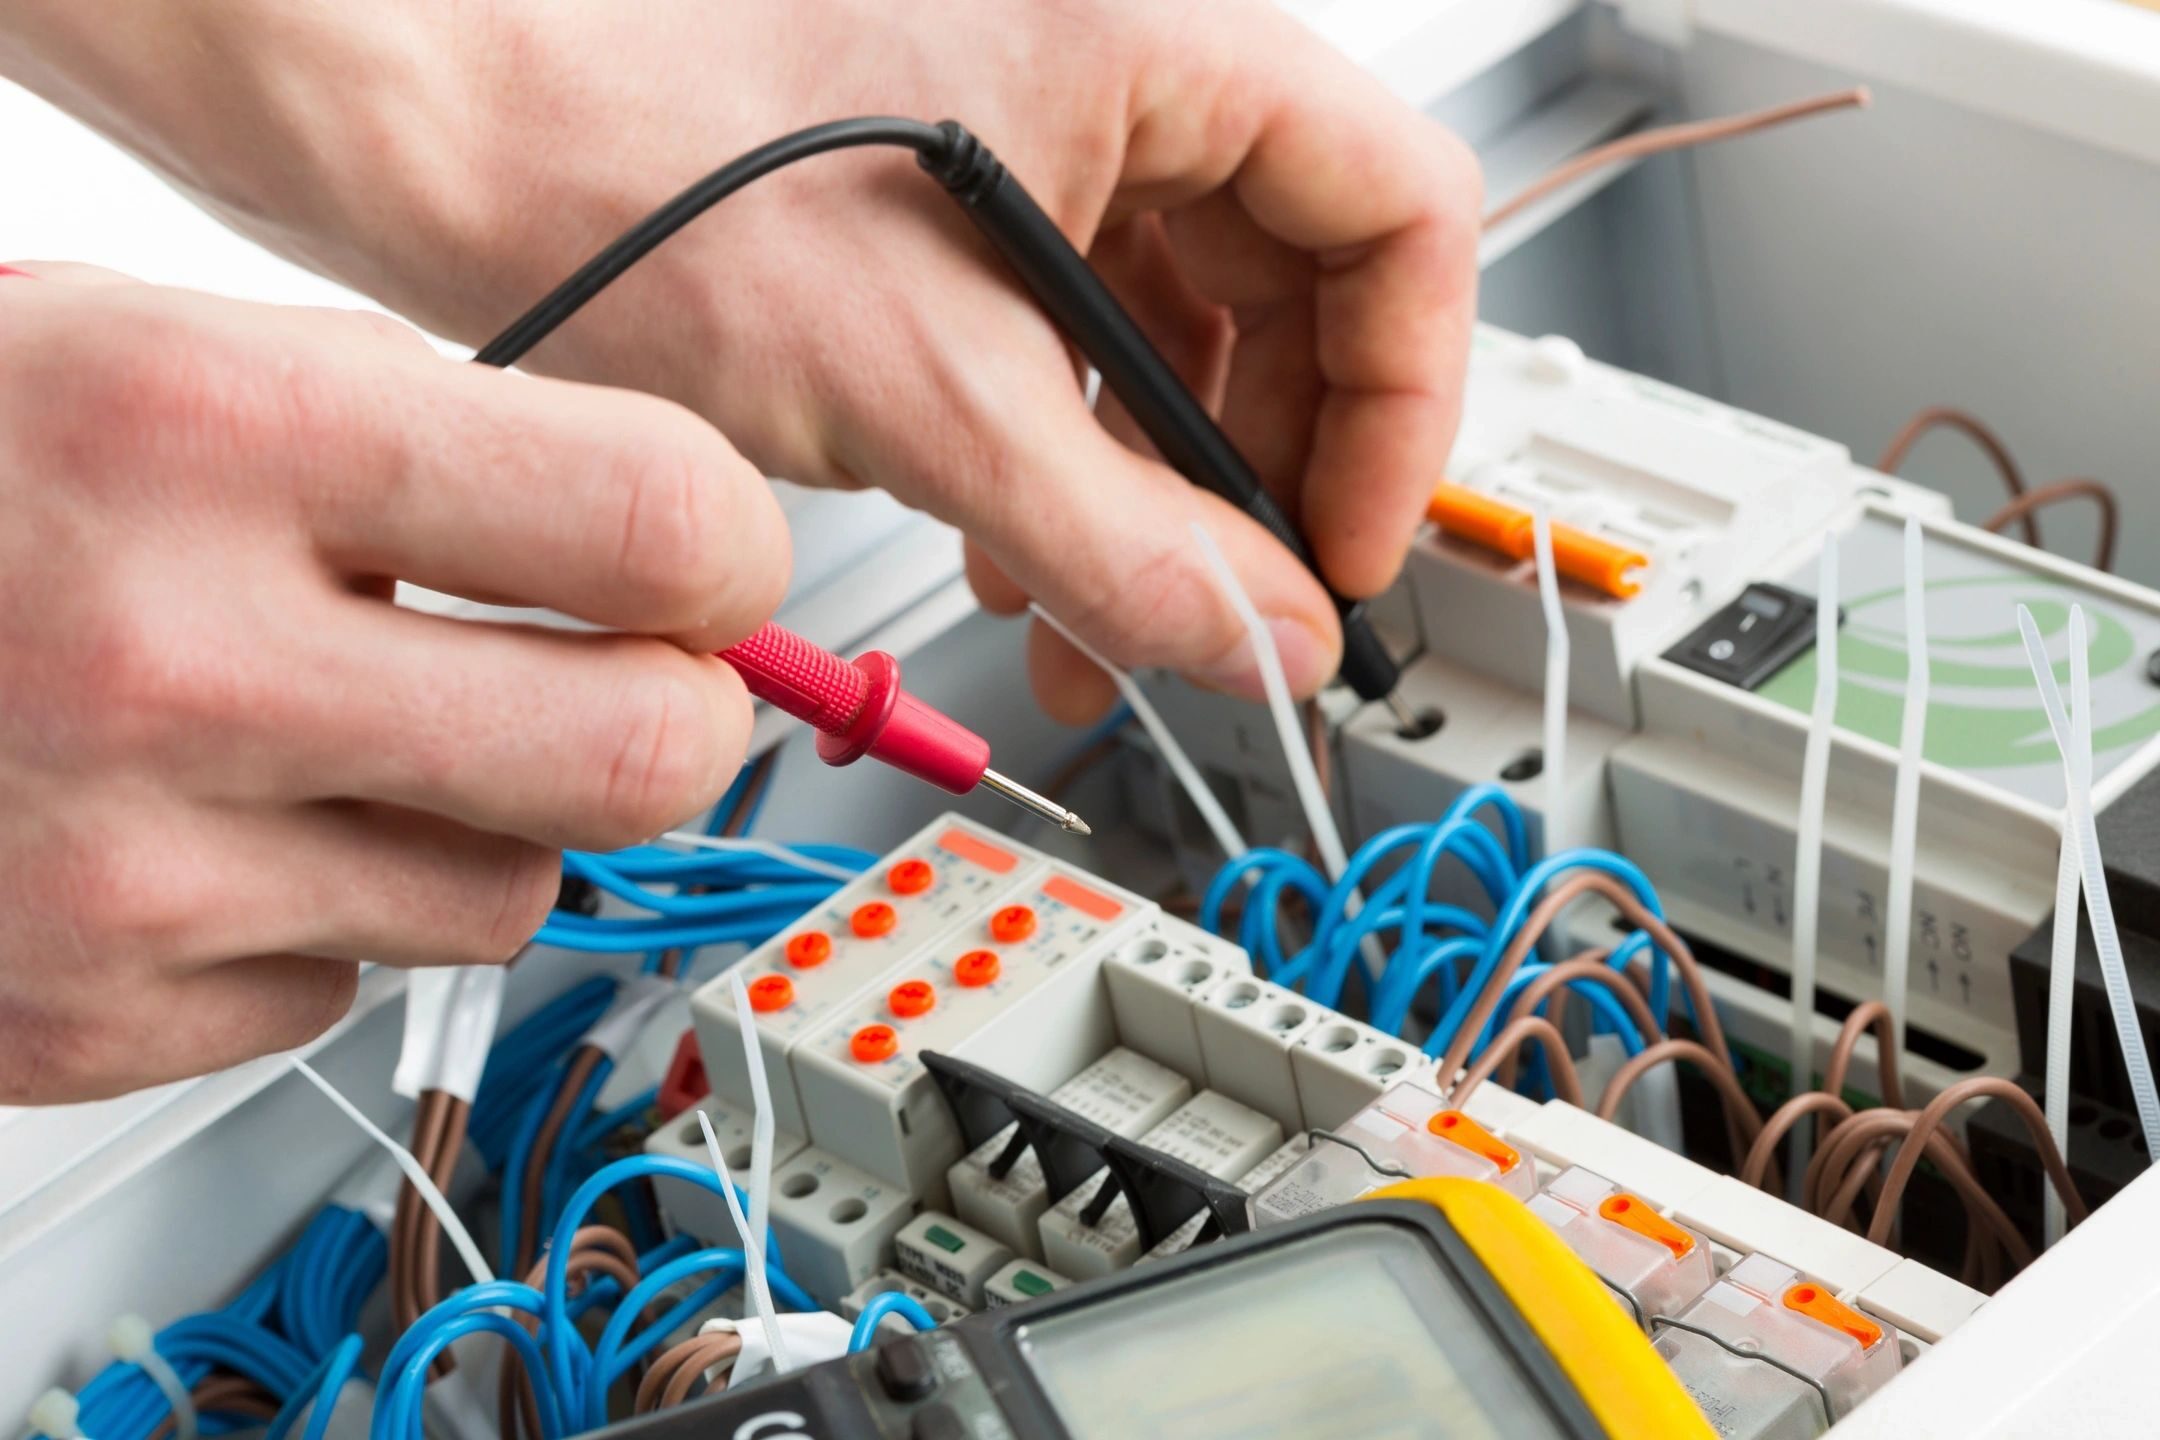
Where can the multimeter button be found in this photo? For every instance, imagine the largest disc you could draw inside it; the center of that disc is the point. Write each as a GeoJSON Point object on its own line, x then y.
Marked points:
{"type": "Point", "coordinates": [904, 1370]}
{"type": "Point", "coordinates": [939, 1422]}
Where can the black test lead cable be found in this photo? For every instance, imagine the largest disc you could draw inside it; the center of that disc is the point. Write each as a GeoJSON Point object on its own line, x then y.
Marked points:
{"type": "Point", "coordinates": [1062, 283]}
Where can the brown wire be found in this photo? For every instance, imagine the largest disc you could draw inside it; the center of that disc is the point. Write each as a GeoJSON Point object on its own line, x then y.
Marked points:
{"type": "Point", "coordinates": [1938, 1109]}
{"type": "Point", "coordinates": [2023, 507]}
{"type": "Point", "coordinates": [670, 1378]}
{"type": "Point", "coordinates": [427, 1262]}
{"type": "Point", "coordinates": [428, 1119]}
{"type": "Point", "coordinates": [1875, 1014]}
{"type": "Point", "coordinates": [1739, 1110]}
{"type": "Point", "coordinates": [226, 1394]}
{"type": "Point", "coordinates": [583, 1061]}
{"type": "Point", "coordinates": [1668, 137]}
{"type": "Point", "coordinates": [1589, 967]}
{"type": "Point", "coordinates": [1566, 1083]}
{"type": "Point", "coordinates": [1533, 929]}
{"type": "Point", "coordinates": [1982, 1211]}
{"type": "Point", "coordinates": [1755, 1169]}
{"type": "Point", "coordinates": [1973, 428]}
{"type": "Point", "coordinates": [594, 1250]}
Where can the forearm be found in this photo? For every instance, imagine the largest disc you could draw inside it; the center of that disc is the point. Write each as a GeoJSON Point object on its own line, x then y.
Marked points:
{"type": "Point", "coordinates": [313, 127]}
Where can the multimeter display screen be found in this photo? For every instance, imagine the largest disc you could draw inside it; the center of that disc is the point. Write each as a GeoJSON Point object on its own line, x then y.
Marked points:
{"type": "Point", "coordinates": [1356, 1331]}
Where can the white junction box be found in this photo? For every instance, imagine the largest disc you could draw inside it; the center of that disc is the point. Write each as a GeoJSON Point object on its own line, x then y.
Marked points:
{"type": "Point", "coordinates": [1705, 493]}
{"type": "Point", "coordinates": [1016, 988]}
{"type": "Point", "coordinates": [887, 917]}
{"type": "Point", "coordinates": [1154, 980]}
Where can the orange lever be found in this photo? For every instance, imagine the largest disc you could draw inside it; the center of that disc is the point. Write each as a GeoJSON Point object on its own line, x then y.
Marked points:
{"type": "Point", "coordinates": [1582, 557]}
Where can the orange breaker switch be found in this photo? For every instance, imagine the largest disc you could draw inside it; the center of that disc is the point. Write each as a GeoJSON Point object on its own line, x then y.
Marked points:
{"type": "Point", "coordinates": [771, 992]}
{"type": "Point", "coordinates": [910, 877]}
{"type": "Point", "coordinates": [1509, 530]}
{"type": "Point", "coordinates": [809, 949]}
{"type": "Point", "coordinates": [1632, 1212]}
{"type": "Point", "coordinates": [977, 967]}
{"type": "Point", "coordinates": [874, 1043]}
{"type": "Point", "coordinates": [873, 919]}
{"type": "Point", "coordinates": [911, 998]}
{"type": "Point", "coordinates": [1819, 1304]}
{"type": "Point", "coordinates": [1459, 1128]}
{"type": "Point", "coordinates": [1012, 924]}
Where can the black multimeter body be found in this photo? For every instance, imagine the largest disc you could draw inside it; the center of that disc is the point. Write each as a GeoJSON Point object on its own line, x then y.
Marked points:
{"type": "Point", "coordinates": [1372, 1320]}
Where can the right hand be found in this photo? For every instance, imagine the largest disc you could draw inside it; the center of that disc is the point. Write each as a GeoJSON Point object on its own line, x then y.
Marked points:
{"type": "Point", "coordinates": [229, 768]}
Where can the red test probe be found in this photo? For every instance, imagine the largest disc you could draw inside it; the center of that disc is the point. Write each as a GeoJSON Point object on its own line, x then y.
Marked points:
{"type": "Point", "coordinates": [859, 709]}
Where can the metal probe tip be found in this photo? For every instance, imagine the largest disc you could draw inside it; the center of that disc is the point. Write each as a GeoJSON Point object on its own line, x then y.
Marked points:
{"type": "Point", "coordinates": [1404, 715]}
{"type": "Point", "coordinates": [1028, 800]}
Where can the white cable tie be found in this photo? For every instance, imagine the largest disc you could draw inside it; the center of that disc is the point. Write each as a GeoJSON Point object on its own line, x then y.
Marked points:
{"type": "Point", "coordinates": [1807, 859]}
{"type": "Point", "coordinates": [1181, 766]}
{"type": "Point", "coordinates": [761, 1151]}
{"type": "Point", "coordinates": [1905, 799]}
{"type": "Point", "coordinates": [450, 1017]}
{"type": "Point", "coordinates": [633, 1008]}
{"type": "Point", "coordinates": [753, 1247]}
{"type": "Point", "coordinates": [2077, 778]}
{"type": "Point", "coordinates": [132, 1342]}
{"type": "Point", "coordinates": [751, 845]}
{"type": "Point", "coordinates": [1303, 778]}
{"type": "Point", "coordinates": [57, 1415]}
{"type": "Point", "coordinates": [1553, 761]}
{"type": "Point", "coordinates": [460, 1238]}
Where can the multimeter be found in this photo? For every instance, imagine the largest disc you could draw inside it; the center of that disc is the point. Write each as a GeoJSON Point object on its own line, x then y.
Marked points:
{"type": "Point", "coordinates": [1437, 1308]}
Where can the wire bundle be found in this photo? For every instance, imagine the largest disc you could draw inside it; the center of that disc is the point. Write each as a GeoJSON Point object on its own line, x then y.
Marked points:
{"type": "Point", "coordinates": [267, 1349]}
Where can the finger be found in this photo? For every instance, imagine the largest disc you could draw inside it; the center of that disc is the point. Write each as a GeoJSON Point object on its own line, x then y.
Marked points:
{"type": "Point", "coordinates": [1195, 337]}
{"type": "Point", "coordinates": [1386, 202]}
{"type": "Point", "coordinates": [1072, 689]}
{"type": "Point", "coordinates": [616, 508]}
{"type": "Point", "coordinates": [351, 881]}
{"type": "Point", "coordinates": [563, 739]}
{"type": "Point", "coordinates": [994, 590]}
{"type": "Point", "coordinates": [148, 1034]}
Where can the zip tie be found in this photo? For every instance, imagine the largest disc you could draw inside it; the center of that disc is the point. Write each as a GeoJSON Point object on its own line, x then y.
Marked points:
{"type": "Point", "coordinates": [753, 1248]}
{"type": "Point", "coordinates": [2062, 993]}
{"type": "Point", "coordinates": [1554, 759]}
{"type": "Point", "coordinates": [2077, 776]}
{"type": "Point", "coordinates": [761, 1162]}
{"type": "Point", "coordinates": [1303, 777]}
{"type": "Point", "coordinates": [754, 846]}
{"type": "Point", "coordinates": [460, 1238]}
{"type": "Point", "coordinates": [1905, 800]}
{"type": "Point", "coordinates": [57, 1415]}
{"type": "Point", "coordinates": [132, 1342]}
{"type": "Point", "coordinates": [1188, 776]}
{"type": "Point", "coordinates": [1807, 859]}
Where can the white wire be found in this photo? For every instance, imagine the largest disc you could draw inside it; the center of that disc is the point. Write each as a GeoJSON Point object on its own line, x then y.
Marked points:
{"type": "Point", "coordinates": [754, 846]}
{"type": "Point", "coordinates": [761, 1162]}
{"type": "Point", "coordinates": [1303, 778]}
{"type": "Point", "coordinates": [1905, 799]}
{"type": "Point", "coordinates": [2062, 992]}
{"type": "Point", "coordinates": [460, 1239]}
{"type": "Point", "coordinates": [2077, 775]}
{"type": "Point", "coordinates": [1188, 776]}
{"type": "Point", "coordinates": [1554, 756]}
{"type": "Point", "coordinates": [1807, 855]}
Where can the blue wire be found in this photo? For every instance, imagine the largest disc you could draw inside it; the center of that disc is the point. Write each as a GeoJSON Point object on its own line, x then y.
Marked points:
{"type": "Point", "coordinates": [880, 1305]}
{"type": "Point", "coordinates": [343, 1361]}
{"type": "Point", "coordinates": [557, 1175]}
{"type": "Point", "coordinates": [408, 1393]}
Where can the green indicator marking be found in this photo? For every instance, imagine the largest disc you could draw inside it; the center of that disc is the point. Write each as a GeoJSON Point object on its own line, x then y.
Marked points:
{"type": "Point", "coordinates": [1027, 1282]}
{"type": "Point", "coordinates": [944, 1239]}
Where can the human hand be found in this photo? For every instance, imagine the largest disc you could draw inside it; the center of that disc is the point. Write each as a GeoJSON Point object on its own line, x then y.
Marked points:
{"type": "Point", "coordinates": [229, 769]}
{"type": "Point", "coordinates": [1299, 243]}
